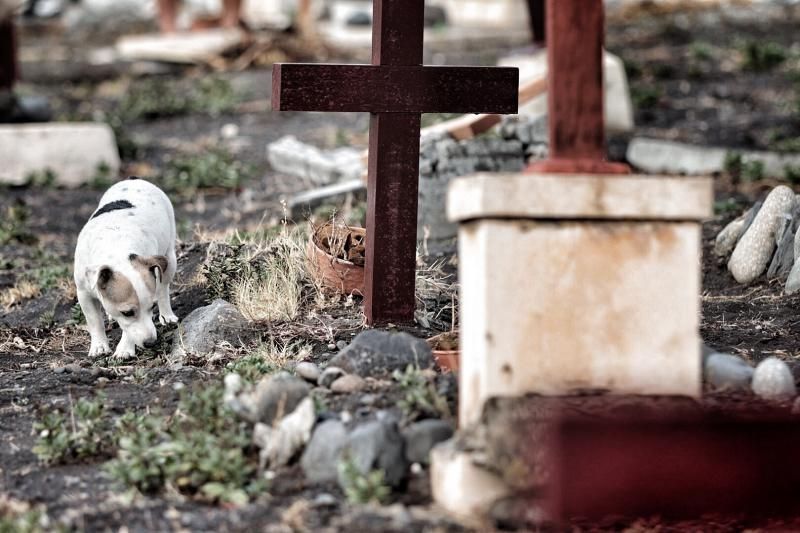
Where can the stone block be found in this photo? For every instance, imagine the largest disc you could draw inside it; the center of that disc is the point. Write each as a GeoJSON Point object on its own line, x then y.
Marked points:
{"type": "Point", "coordinates": [618, 104]}
{"type": "Point", "coordinates": [187, 47]}
{"type": "Point", "coordinates": [498, 15]}
{"type": "Point", "coordinates": [669, 157]}
{"type": "Point", "coordinates": [295, 158]}
{"type": "Point", "coordinates": [578, 283]}
{"type": "Point", "coordinates": [72, 150]}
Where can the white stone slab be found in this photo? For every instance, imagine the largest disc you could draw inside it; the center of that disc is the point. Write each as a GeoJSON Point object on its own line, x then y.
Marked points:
{"type": "Point", "coordinates": [189, 47]}
{"type": "Point", "coordinates": [556, 196]}
{"type": "Point", "coordinates": [497, 15]}
{"type": "Point", "coordinates": [556, 307]}
{"type": "Point", "coordinates": [72, 150]}
{"type": "Point", "coordinates": [669, 157]}
{"type": "Point", "coordinates": [618, 104]}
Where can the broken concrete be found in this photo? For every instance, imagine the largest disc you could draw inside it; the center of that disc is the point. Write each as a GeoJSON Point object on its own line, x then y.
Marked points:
{"type": "Point", "coordinates": [72, 151]}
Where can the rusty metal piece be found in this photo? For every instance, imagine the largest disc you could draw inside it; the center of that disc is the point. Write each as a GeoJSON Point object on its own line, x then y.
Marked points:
{"type": "Point", "coordinates": [575, 34]}
{"type": "Point", "coordinates": [675, 467]}
{"type": "Point", "coordinates": [393, 89]}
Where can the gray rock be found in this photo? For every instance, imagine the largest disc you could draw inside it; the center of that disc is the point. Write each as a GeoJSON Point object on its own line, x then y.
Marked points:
{"type": "Point", "coordinates": [727, 371]}
{"type": "Point", "coordinates": [783, 259]}
{"type": "Point", "coordinates": [755, 248]}
{"type": "Point", "coordinates": [278, 395]}
{"type": "Point", "coordinates": [422, 436]}
{"type": "Point", "coordinates": [341, 345]}
{"type": "Point", "coordinates": [320, 459]}
{"type": "Point", "coordinates": [329, 375]}
{"type": "Point", "coordinates": [375, 352]}
{"type": "Point", "coordinates": [727, 238]}
{"type": "Point", "coordinates": [772, 380]}
{"type": "Point", "coordinates": [348, 383]}
{"type": "Point", "coordinates": [290, 156]}
{"type": "Point", "coordinates": [377, 445]}
{"type": "Point", "coordinates": [308, 371]}
{"type": "Point", "coordinates": [205, 328]}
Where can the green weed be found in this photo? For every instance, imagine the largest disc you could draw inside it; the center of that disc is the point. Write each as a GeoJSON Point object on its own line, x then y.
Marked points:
{"type": "Point", "coordinates": [185, 175]}
{"type": "Point", "coordinates": [645, 97]}
{"type": "Point", "coordinates": [362, 488]}
{"type": "Point", "coordinates": [13, 225]}
{"type": "Point", "coordinates": [201, 451]}
{"type": "Point", "coordinates": [158, 98]}
{"type": "Point", "coordinates": [419, 395]}
{"type": "Point", "coordinates": [761, 56]}
{"type": "Point", "coordinates": [45, 179]}
{"type": "Point", "coordinates": [791, 173]}
{"type": "Point", "coordinates": [65, 437]}
{"type": "Point", "coordinates": [723, 207]}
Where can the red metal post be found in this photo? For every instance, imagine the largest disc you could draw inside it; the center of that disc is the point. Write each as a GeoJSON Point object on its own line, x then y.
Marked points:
{"type": "Point", "coordinates": [575, 35]}
{"type": "Point", "coordinates": [9, 67]}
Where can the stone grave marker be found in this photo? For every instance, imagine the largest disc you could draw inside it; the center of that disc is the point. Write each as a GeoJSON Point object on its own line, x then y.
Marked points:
{"type": "Point", "coordinates": [576, 276]}
{"type": "Point", "coordinates": [395, 89]}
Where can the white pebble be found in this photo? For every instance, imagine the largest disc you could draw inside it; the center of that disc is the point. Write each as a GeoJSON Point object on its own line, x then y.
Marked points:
{"type": "Point", "coordinates": [772, 380]}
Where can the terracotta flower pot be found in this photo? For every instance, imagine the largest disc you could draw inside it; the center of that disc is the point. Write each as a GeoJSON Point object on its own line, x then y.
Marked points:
{"type": "Point", "coordinates": [335, 254]}
{"type": "Point", "coordinates": [445, 350]}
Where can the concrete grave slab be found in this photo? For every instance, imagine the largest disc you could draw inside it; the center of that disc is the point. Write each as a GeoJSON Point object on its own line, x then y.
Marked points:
{"type": "Point", "coordinates": [657, 156]}
{"type": "Point", "coordinates": [73, 151]}
{"type": "Point", "coordinates": [618, 104]}
{"type": "Point", "coordinates": [190, 47]}
{"type": "Point", "coordinates": [573, 283]}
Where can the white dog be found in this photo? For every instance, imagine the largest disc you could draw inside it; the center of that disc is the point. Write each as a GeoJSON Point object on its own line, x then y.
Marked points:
{"type": "Point", "coordinates": [124, 262]}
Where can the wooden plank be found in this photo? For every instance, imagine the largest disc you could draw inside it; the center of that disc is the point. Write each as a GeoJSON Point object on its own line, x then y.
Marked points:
{"type": "Point", "coordinates": [395, 89]}
{"type": "Point", "coordinates": [397, 32]}
{"type": "Point", "coordinates": [676, 468]}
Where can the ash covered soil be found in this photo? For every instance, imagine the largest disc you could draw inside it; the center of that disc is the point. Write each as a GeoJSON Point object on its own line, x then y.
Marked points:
{"type": "Point", "coordinates": [691, 80]}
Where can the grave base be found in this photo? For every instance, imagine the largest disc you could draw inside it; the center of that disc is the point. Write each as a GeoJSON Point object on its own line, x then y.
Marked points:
{"type": "Point", "coordinates": [578, 283]}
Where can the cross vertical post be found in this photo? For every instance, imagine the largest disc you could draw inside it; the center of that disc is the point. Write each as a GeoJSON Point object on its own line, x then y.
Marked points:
{"type": "Point", "coordinates": [393, 170]}
{"type": "Point", "coordinates": [575, 36]}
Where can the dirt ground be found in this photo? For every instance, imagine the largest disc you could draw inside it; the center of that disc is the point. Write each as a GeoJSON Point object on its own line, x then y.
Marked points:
{"type": "Point", "coordinates": [691, 81]}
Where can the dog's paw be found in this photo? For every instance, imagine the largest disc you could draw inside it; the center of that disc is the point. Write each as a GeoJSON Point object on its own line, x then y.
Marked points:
{"type": "Point", "coordinates": [99, 349]}
{"type": "Point", "coordinates": [123, 354]}
{"type": "Point", "coordinates": [168, 319]}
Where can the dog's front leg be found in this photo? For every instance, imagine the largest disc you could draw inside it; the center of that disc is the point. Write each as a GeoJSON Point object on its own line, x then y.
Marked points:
{"type": "Point", "coordinates": [165, 313]}
{"type": "Point", "coordinates": [126, 348]}
{"type": "Point", "coordinates": [93, 312]}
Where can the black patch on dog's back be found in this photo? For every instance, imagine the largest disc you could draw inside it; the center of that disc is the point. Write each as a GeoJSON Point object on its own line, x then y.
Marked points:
{"type": "Point", "coordinates": [112, 206]}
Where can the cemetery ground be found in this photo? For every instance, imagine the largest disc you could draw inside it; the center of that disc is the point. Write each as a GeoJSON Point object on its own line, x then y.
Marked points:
{"type": "Point", "coordinates": [698, 77]}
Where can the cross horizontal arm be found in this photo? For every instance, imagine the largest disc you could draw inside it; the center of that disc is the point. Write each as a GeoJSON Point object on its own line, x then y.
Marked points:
{"type": "Point", "coordinates": [393, 89]}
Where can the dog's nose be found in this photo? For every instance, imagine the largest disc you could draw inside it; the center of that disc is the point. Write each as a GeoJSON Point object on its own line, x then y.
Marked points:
{"type": "Point", "coordinates": [149, 343]}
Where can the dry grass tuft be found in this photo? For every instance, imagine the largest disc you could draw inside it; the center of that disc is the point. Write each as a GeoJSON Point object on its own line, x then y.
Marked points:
{"type": "Point", "coordinates": [21, 291]}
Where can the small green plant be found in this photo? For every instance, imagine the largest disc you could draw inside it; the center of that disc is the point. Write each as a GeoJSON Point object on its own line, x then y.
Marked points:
{"type": "Point", "coordinates": [76, 315]}
{"type": "Point", "coordinates": [761, 56]}
{"type": "Point", "coordinates": [65, 437]}
{"type": "Point", "coordinates": [645, 97]}
{"type": "Point", "coordinates": [791, 145]}
{"type": "Point", "coordinates": [201, 451]}
{"type": "Point", "coordinates": [157, 98]}
{"type": "Point", "coordinates": [723, 207]}
{"type": "Point", "coordinates": [102, 178]}
{"type": "Point", "coordinates": [45, 178]}
{"type": "Point", "coordinates": [218, 169]}
{"type": "Point", "coordinates": [362, 488]}
{"type": "Point", "coordinates": [739, 168]}
{"type": "Point", "coordinates": [791, 173]}
{"type": "Point", "coordinates": [13, 225]}
{"type": "Point", "coordinates": [251, 367]}
{"type": "Point", "coordinates": [419, 395]}
{"type": "Point", "coordinates": [701, 51]}
{"type": "Point", "coordinates": [27, 521]}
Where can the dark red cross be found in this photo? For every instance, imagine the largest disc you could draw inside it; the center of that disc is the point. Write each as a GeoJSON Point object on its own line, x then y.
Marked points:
{"type": "Point", "coordinates": [395, 89]}
{"type": "Point", "coordinates": [575, 95]}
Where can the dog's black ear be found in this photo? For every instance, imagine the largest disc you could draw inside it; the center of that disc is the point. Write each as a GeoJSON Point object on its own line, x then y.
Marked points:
{"type": "Point", "coordinates": [104, 276]}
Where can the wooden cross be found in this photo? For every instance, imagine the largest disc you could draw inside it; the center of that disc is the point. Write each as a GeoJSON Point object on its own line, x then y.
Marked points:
{"type": "Point", "coordinates": [395, 89]}
{"type": "Point", "coordinates": [575, 35]}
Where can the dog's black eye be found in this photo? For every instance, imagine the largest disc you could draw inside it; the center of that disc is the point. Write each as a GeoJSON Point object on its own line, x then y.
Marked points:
{"type": "Point", "coordinates": [129, 313]}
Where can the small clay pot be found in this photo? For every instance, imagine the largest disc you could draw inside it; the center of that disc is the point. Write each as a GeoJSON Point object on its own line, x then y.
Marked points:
{"type": "Point", "coordinates": [335, 273]}
{"type": "Point", "coordinates": [445, 350]}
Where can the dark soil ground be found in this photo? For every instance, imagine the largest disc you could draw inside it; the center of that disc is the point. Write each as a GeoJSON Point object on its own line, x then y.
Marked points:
{"type": "Point", "coordinates": [691, 81]}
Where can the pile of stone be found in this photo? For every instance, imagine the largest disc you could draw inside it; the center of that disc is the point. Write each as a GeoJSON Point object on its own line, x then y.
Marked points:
{"type": "Point", "coordinates": [289, 423]}
{"type": "Point", "coordinates": [765, 240]}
